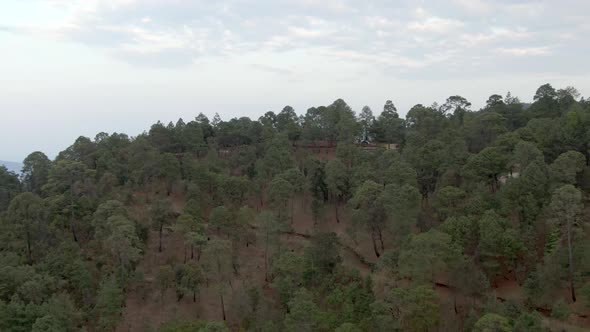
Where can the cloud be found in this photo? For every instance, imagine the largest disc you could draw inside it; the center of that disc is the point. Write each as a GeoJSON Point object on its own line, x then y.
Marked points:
{"type": "Point", "coordinates": [435, 25]}
{"type": "Point", "coordinates": [495, 34]}
{"type": "Point", "coordinates": [479, 7]}
{"type": "Point", "coordinates": [524, 51]}
{"type": "Point", "coordinates": [526, 9]}
{"type": "Point", "coordinates": [300, 32]}
{"type": "Point", "coordinates": [272, 69]}
{"type": "Point", "coordinates": [335, 6]}
{"type": "Point", "coordinates": [170, 33]}
{"type": "Point", "coordinates": [380, 22]}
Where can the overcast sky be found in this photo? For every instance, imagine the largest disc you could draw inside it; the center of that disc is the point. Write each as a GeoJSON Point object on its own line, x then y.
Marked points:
{"type": "Point", "coordinates": [78, 67]}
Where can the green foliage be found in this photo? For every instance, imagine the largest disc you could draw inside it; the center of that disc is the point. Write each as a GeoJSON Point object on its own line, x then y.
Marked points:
{"type": "Point", "coordinates": [124, 244]}
{"type": "Point", "coordinates": [322, 256]}
{"type": "Point", "coordinates": [234, 189]}
{"type": "Point", "coordinates": [347, 327]}
{"type": "Point", "coordinates": [217, 260]}
{"type": "Point", "coordinates": [463, 230]}
{"type": "Point", "coordinates": [277, 158]}
{"type": "Point", "coordinates": [221, 218]}
{"type": "Point", "coordinates": [525, 153]}
{"type": "Point", "coordinates": [161, 216]}
{"type": "Point", "coordinates": [427, 254]}
{"type": "Point", "coordinates": [337, 179]}
{"type": "Point", "coordinates": [369, 211]}
{"type": "Point", "coordinates": [492, 323]}
{"type": "Point", "coordinates": [287, 274]}
{"type": "Point", "coordinates": [303, 313]}
{"type": "Point", "coordinates": [565, 168]}
{"type": "Point", "coordinates": [27, 214]}
{"type": "Point", "coordinates": [16, 316]}
{"type": "Point", "coordinates": [9, 187]}
{"type": "Point", "coordinates": [109, 302]}
{"type": "Point", "coordinates": [448, 201]}
{"type": "Point", "coordinates": [565, 207]}
{"type": "Point", "coordinates": [416, 308]}
{"type": "Point", "coordinates": [464, 198]}
{"type": "Point", "coordinates": [560, 310]}
{"type": "Point", "coordinates": [388, 127]}
{"type": "Point", "coordinates": [47, 323]}
{"type": "Point", "coordinates": [528, 323]}
{"type": "Point", "coordinates": [35, 172]}
{"type": "Point", "coordinates": [189, 278]}
{"type": "Point", "coordinates": [280, 191]}
{"type": "Point", "coordinates": [175, 326]}
{"type": "Point", "coordinates": [488, 164]}
{"type": "Point", "coordinates": [402, 205]}
{"type": "Point", "coordinates": [214, 327]}
{"type": "Point", "coordinates": [164, 279]}
{"type": "Point", "coordinates": [496, 243]}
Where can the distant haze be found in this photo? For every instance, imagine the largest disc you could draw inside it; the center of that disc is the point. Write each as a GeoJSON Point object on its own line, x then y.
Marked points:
{"type": "Point", "coordinates": [12, 166]}
{"type": "Point", "coordinates": [79, 67]}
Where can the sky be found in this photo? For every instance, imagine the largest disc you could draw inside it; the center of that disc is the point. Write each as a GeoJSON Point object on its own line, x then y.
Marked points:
{"type": "Point", "coordinates": [79, 67]}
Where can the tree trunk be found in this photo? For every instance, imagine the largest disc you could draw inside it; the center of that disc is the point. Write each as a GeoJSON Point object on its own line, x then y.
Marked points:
{"type": "Point", "coordinates": [184, 254]}
{"type": "Point", "coordinates": [374, 244]}
{"type": "Point", "coordinates": [571, 261]}
{"type": "Point", "coordinates": [194, 296]}
{"type": "Point", "coordinates": [160, 244]}
{"type": "Point", "coordinates": [29, 255]}
{"type": "Point", "coordinates": [72, 226]}
{"type": "Point", "coordinates": [235, 267]}
{"type": "Point", "coordinates": [424, 202]}
{"type": "Point", "coordinates": [192, 251]}
{"type": "Point", "coordinates": [292, 209]}
{"type": "Point", "coordinates": [222, 306]}
{"type": "Point", "coordinates": [266, 258]}
{"type": "Point", "coordinates": [380, 238]}
{"type": "Point", "coordinates": [336, 211]}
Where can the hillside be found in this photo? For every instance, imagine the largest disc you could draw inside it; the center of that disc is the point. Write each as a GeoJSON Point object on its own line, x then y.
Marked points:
{"type": "Point", "coordinates": [450, 219]}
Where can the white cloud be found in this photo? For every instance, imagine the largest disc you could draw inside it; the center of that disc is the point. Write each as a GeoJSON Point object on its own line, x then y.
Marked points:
{"type": "Point", "coordinates": [494, 35]}
{"type": "Point", "coordinates": [420, 12]}
{"type": "Point", "coordinates": [474, 6]}
{"type": "Point", "coordinates": [272, 69]}
{"type": "Point", "coordinates": [337, 6]}
{"type": "Point", "coordinates": [300, 32]}
{"type": "Point", "coordinates": [421, 37]}
{"type": "Point", "coordinates": [224, 50]}
{"type": "Point", "coordinates": [380, 22]}
{"type": "Point", "coordinates": [530, 9]}
{"type": "Point", "coordinates": [524, 51]}
{"type": "Point", "coordinates": [435, 24]}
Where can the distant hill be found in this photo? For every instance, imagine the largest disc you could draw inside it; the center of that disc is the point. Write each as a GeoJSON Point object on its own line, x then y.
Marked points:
{"type": "Point", "coordinates": [12, 166]}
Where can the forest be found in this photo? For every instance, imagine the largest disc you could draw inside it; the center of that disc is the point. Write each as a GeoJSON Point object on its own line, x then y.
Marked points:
{"type": "Point", "coordinates": [450, 219]}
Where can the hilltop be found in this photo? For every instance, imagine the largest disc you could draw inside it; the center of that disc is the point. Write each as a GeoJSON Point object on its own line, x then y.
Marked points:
{"type": "Point", "coordinates": [450, 219]}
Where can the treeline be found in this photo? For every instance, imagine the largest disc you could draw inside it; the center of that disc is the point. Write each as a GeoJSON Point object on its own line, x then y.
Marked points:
{"type": "Point", "coordinates": [470, 198]}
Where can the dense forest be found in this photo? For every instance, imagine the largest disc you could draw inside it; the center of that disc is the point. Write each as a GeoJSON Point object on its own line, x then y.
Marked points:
{"type": "Point", "coordinates": [451, 219]}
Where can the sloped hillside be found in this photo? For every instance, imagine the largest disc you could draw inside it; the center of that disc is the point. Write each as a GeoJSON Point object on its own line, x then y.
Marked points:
{"type": "Point", "coordinates": [451, 219]}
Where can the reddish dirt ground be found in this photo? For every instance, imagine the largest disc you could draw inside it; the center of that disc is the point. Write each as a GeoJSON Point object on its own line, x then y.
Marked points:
{"type": "Point", "coordinates": [146, 309]}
